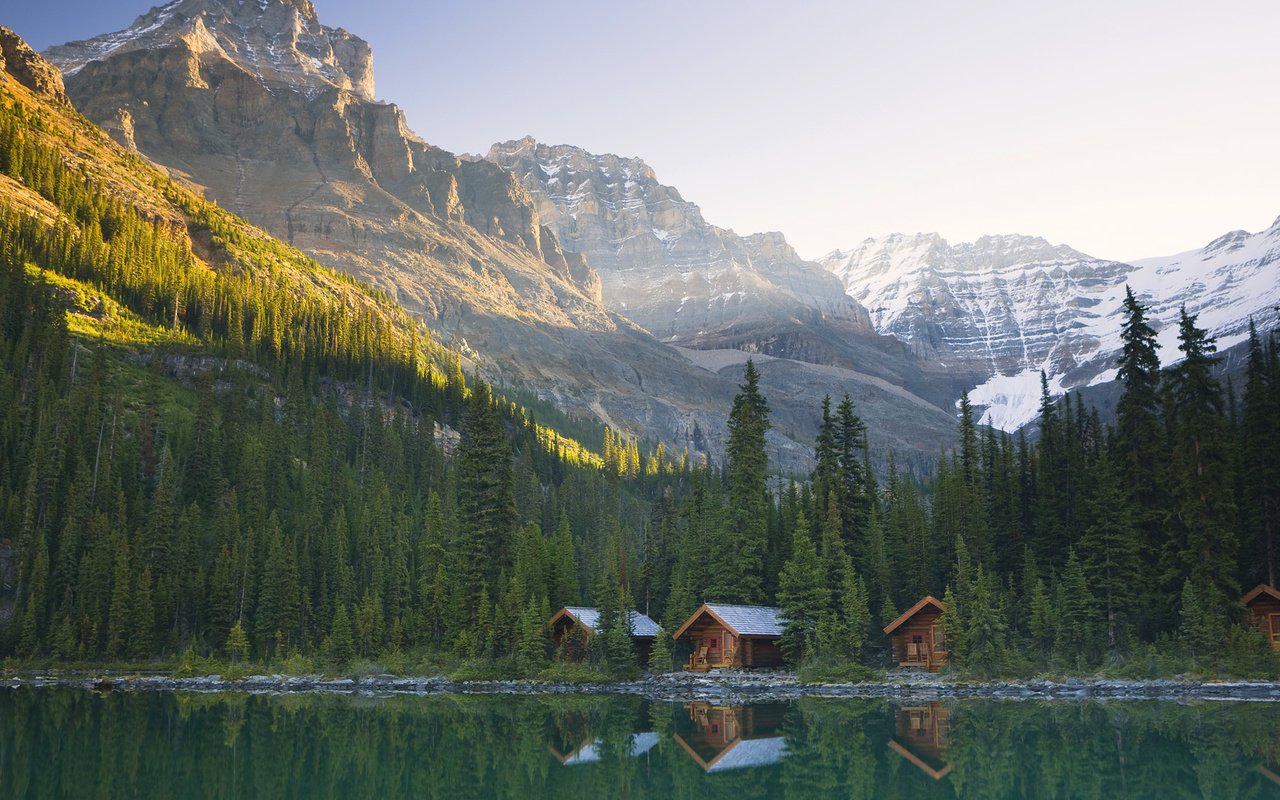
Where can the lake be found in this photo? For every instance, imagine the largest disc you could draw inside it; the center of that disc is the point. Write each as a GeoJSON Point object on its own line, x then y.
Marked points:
{"type": "Point", "coordinates": [70, 743]}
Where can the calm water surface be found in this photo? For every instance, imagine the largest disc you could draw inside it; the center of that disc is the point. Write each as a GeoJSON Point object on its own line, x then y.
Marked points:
{"type": "Point", "coordinates": [57, 743]}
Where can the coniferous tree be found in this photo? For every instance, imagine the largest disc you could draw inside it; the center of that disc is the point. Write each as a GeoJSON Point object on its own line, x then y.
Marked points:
{"type": "Point", "coordinates": [1076, 614]}
{"type": "Point", "coordinates": [1141, 451]}
{"type": "Point", "coordinates": [341, 643]}
{"type": "Point", "coordinates": [486, 501]}
{"type": "Point", "coordinates": [1111, 554]}
{"type": "Point", "coordinates": [744, 541]}
{"type": "Point", "coordinates": [1260, 465]}
{"type": "Point", "coordinates": [237, 643]}
{"type": "Point", "coordinates": [660, 656]}
{"type": "Point", "coordinates": [1204, 546]}
{"type": "Point", "coordinates": [803, 596]}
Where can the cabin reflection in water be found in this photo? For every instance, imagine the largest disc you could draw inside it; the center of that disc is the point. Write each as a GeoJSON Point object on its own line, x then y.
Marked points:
{"type": "Point", "coordinates": [588, 751]}
{"type": "Point", "coordinates": [721, 738]}
{"type": "Point", "coordinates": [922, 736]}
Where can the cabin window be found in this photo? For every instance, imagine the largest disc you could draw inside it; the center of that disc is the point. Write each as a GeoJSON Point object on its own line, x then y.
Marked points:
{"type": "Point", "coordinates": [1275, 627]}
{"type": "Point", "coordinates": [917, 638]}
{"type": "Point", "coordinates": [728, 641]}
{"type": "Point", "coordinates": [715, 643]}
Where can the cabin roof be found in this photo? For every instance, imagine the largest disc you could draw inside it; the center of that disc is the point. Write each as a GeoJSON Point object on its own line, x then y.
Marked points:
{"type": "Point", "coordinates": [589, 752]}
{"type": "Point", "coordinates": [641, 625]}
{"type": "Point", "coordinates": [742, 620]}
{"type": "Point", "coordinates": [1259, 590]}
{"type": "Point", "coordinates": [750, 753]}
{"type": "Point", "coordinates": [911, 612]}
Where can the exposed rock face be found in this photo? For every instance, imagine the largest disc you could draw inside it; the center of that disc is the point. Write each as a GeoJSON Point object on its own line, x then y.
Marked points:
{"type": "Point", "coordinates": [273, 115]}
{"type": "Point", "coordinates": [662, 264]}
{"type": "Point", "coordinates": [280, 41]}
{"type": "Point", "coordinates": [28, 68]}
{"type": "Point", "coordinates": [1003, 308]}
{"type": "Point", "coordinates": [693, 284]}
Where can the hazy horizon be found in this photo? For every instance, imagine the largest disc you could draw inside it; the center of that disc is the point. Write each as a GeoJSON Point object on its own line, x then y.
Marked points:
{"type": "Point", "coordinates": [1123, 131]}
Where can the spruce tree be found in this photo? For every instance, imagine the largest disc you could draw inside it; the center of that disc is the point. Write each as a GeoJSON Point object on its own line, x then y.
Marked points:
{"type": "Point", "coordinates": [803, 596]}
{"type": "Point", "coordinates": [660, 656]}
{"type": "Point", "coordinates": [237, 643]}
{"type": "Point", "coordinates": [1141, 452]}
{"type": "Point", "coordinates": [1204, 547]}
{"type": "Point", "coordinates": [1110, 551]}
{"type": "Point", "coordinates": [341, 641]}
{"type": "Point", "coordinates": [1260, 465]}
{"type": "Point", "coordinates": [745, 537]}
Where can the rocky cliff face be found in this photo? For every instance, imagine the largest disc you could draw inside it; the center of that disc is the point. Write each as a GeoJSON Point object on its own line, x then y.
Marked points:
{"type": "Point", "coordinates": [662, 263]}
{"type": "Point", "coordinates": [28, 68]}
{"type": "Point", "coordinates": [274, 116]}
{"type": "Point", "coordinates": [696, 285]}
{"type": "Point", "coordinates": [1003, 308]}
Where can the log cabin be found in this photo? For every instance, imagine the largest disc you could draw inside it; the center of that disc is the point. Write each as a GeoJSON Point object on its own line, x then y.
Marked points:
{"type": "Point", "coordinates": [1263, 605]}
{"type": "Point", "coordinates": [732, 637]}
{"type": "Point", "coordinates": [573, 626]}
{"type": "Point", "coordinates": [917, 636]}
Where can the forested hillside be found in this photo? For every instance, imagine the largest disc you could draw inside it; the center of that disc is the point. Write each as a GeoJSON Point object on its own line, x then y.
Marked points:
{"type": "Point", "coordinates": [210, 445]}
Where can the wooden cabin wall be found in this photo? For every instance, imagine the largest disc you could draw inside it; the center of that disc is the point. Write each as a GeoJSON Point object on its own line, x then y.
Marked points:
{"type": "Point", "coordinates": [919, 625]}
{"type": "Point", "coordinates": [1260, 612]}
{"type": "Point", "coordinates": [761, 652]}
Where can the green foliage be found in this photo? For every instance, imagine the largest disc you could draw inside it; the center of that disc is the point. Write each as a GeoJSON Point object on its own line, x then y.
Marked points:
{"type": "Point", "coordinates": [237, 646]}
{"type": "Point", "coordinates": [262, 476]}
{"type": "Point", "coordinates": [825, 671]}
{"type": "Point", "coordinates": [660, 657]}
{"type": "Point", "coordinates": [803, 596]}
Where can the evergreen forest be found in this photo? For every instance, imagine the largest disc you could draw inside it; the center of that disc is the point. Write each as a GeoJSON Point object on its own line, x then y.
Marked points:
{"type": "Point", "coordinates": [213, 448]}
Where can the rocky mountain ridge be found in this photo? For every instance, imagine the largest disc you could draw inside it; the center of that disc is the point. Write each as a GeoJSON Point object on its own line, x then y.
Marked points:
{"type": "Point", "coordinates": [323, 166]}
{"type": "Point", "coordinates": [663, 265]}
{"type": "Point", "coordinates": [694, 284]}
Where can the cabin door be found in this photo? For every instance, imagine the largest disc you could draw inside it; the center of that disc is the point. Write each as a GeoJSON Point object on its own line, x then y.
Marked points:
{"type": "Point", "coordinates": [1275, 630]}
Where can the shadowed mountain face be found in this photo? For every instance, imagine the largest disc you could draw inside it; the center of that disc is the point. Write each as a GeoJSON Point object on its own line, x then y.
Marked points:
{"type": "Point", "coordinates": [273, 115]}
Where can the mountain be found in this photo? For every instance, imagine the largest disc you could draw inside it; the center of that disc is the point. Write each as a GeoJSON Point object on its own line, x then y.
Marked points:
{"type": "Point", "coordinates": [661, 263]}
{"type": "Point", "coordinates": [691, 283]}
{"type": "Point", "coordinates": [999, 310]}
{"type": "Point", "coordinates": [273, 115]}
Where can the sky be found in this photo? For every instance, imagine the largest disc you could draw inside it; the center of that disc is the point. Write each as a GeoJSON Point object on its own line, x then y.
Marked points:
{"type": "Point", "coordinates": [1124, 129]}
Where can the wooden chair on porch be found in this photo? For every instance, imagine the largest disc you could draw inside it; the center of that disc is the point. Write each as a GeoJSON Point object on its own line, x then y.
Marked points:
{"type": "Point", "coordinates": [698, 660]}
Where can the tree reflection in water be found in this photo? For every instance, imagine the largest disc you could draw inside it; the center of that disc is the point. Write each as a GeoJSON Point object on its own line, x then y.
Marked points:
{"type": "Point", "coordinates": [70, 743]}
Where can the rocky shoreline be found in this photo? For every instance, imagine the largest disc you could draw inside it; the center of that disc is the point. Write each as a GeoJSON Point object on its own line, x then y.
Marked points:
{"type": "Point", "coordinates": [725, 688]}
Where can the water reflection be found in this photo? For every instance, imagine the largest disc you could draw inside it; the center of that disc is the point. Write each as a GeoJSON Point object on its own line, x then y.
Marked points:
{"type": "Point", "coordinates": [922, 736]}
{"type": "Point", "coordinates": [66, 743]}
{"type": "Point", "coordinates": [723, 738]}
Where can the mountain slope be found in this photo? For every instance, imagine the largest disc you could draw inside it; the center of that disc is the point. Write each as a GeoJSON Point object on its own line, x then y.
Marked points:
{"type": "Point", "coordinates": [1003, 308]}
{"type": "Point", "coordinates": [691, 283]}
{"type": "Point", "coordinates": [246, 101]}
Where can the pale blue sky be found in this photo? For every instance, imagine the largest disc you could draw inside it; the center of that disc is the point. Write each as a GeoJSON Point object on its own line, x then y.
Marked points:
{"type": "Point", "coordinates": [1125, 129]}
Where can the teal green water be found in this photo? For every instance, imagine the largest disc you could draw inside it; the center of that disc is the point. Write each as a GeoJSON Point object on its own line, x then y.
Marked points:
{"type": "Point", "coordinates": [63, 743]}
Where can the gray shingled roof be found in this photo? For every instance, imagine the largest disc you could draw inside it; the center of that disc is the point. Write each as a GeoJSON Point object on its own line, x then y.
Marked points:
{"type": "Point", "coordinates": [641, 743]}
{"type": "Point", "coordinates": [641, 625]}
{"type": "Point", "coordinates": [751, 753]}
{"type": "Point", "coordinates": [750, 620]}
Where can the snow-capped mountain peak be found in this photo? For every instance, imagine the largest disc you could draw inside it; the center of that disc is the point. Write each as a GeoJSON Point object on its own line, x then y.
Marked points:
{"type": "Point", "coordinates": [1002, 308]}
